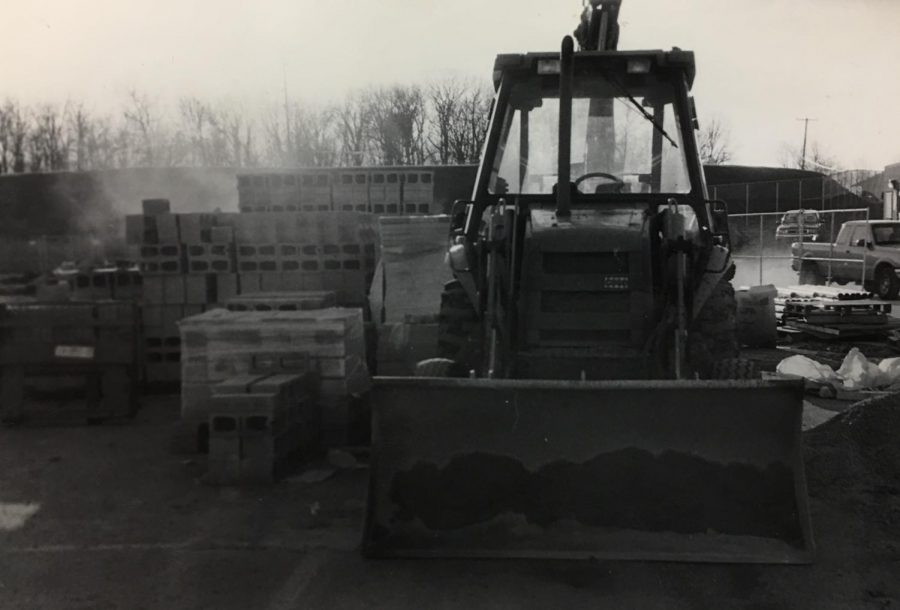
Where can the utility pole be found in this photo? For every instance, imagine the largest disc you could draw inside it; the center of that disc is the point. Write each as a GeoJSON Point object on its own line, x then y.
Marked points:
{"type": "Point", "coordinates": [806, 121]}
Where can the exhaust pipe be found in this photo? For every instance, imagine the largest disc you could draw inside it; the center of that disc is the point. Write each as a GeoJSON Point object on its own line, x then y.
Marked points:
{"type": "Point", "coordinates": [564, 169]}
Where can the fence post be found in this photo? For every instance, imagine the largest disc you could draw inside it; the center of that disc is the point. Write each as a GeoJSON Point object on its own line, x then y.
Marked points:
{"type": "Point", "coordinates": [746, 203]}
{"type": "Point", "coordinates": [761, 217]}
{"type": "Point", "coordinates": [777, 196]}
{"type": "Point", "coordinates": [800, 194]}
{"type": "Point", "coordinates": [865, 250]}
{"type": "Point", "coordinates": [831, 249]}
{"type": "Point", "coordinates": [823, 193]}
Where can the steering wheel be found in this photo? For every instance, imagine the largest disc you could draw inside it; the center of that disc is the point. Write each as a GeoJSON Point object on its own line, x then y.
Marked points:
{"type": "Point", "coordinates": [615, 180]}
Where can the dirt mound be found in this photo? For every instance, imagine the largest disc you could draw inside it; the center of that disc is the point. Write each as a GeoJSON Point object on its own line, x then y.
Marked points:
{"type": "Point", "coordinates": [857, 449]}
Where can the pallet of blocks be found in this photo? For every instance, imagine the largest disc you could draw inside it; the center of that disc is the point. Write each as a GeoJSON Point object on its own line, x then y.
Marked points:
{"type": "Point", "coordinates": [406, 294]}
{"type": "Point", "coordinates": [220, 344]}
{"type": "Point", "coordinates": [257, 421]}
{"type": "Point", "coordinates": [95, 342]}
{"type": "Point", "coordinates": [283, 301]}
{"type": "Point", "coordinates": [196, 262]}
{"type": "Point", "coordinates": [187, 266]}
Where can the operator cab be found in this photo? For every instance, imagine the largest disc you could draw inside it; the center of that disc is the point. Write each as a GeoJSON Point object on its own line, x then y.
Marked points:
{"type": "Point", "coordinates": [631, 128]}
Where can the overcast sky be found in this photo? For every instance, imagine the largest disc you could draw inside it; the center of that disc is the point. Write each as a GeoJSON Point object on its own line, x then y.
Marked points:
{"type": "Point", "coordinates": [761, 63]}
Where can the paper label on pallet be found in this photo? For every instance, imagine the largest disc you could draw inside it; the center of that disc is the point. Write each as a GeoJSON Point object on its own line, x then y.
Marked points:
{"type": "Point", "coordinates": [77, 352]}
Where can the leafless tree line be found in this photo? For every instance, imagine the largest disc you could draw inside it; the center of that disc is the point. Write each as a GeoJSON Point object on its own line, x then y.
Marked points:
{"type": "Point", "coordinates": [443, 123]}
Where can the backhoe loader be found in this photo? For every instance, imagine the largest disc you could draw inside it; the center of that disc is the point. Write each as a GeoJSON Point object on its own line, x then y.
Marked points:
{"type": "Point", "coordinates": [589, 401]}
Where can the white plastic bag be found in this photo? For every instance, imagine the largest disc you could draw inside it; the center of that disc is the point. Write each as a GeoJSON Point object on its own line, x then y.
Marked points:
{"type": "Point", "coordinates": [858, 373]}
{"type": "Point", "coordinates": [801, 366]}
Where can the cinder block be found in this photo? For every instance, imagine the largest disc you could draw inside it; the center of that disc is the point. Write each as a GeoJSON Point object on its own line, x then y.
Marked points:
{"type": "Point", "coordinates": [226, 287]}
{"type": "Point", "coordinates": [200, 289]}
{"type": "Point", "coordinates": [222, 235]}
{"type": "Point", "coordinates": [172, 314]}
{"type": "Point", "coordinates": [174, 289]}
{"type": "Point", "coordinates": [249, 283]}
{"type": "Point", "coordinates": [196, 228]}
{"type": "Point", "coordinates": [167, 229]}
{"type": "Point", "coordinates": [166, 259]}
{"type": "Point", "coordinates": [152, 316]}
{"type": "Point", "coordinates": [270, 281]}
{"type": "Point", "coordinates": [155, 207]}
{"type": "Point", "coordinates": [135, 229]}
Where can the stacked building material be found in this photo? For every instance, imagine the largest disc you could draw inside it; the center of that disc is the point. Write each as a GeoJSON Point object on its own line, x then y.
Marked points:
{"type": "Point", "coordinates": [192, 263]}
{"type": "Point", "coordinates": [283, 301]}
{"type": "Point", "coordinates": [256, 421]}
{"type": "Point", "coordinates": [106, 284]}
{"type": "Point", "coordinates": [220, 344]}
{"type": "Point", "coordinates": [406, 293]}
{"type": "Point", "coordinates": [94, 341]}
{"type": "Point", "coordinates": [413, 251]}
{"type": "Point", "coordinates": [840, 317]}
{"type": "Point", "coordinates": [392, 191]}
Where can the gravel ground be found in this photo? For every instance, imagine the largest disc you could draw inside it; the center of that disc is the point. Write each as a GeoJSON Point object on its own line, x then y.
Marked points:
{"type": "Point", "coordinates": [120, 522]}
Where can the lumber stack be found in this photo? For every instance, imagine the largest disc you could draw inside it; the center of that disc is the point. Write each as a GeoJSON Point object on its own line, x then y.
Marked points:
{"type": "Point", "coordinates": [842, 316]}
{"type": "Point", "coordinates": [219, 345]}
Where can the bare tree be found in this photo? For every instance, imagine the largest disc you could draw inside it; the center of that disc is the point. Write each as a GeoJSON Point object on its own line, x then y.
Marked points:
{"type": "Point", "coordinates": [713, 141]}
{"type": "Point", "coordinates": [469, 131]}
{"type": "Point", "coordinates": [237, 132]}
{"type": "Point", "coordinates": [353, 130]}
{"type": "Point", "coordinates": [48, 146]}
{"type": "Point", "coordinates": [14, 131]}
{"type": "Point", "coordinates": [397, 128]}
{"type": "Point", "coordinates": [147, 133]}
{"type": "Point", "coordinates": [817, 158]}
{"type": "Point", "coordinates": [445, 99]}
{"type": "Point", "coordinates": [313, 142]}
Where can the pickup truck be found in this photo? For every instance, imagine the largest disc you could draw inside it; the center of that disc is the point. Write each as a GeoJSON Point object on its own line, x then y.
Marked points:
{"type": "Point", "coordinates": [797, 223]}
{"type": "Point", "coordinates": [867, 250]}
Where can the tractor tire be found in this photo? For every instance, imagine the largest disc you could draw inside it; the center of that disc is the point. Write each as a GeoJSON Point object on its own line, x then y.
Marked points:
{"type": "Point", "coordinates": [734, 368]}
{"type": "Point", "coordinates": [459, 328]}
{"type": "Point", "coordinates": [887, 286]}
{"type": "Point", "coordinates": [440, 367]}
{"type": "Point", "coordinates": [809, 274]}
{"type": "Point", "coordinates": [712, 338]}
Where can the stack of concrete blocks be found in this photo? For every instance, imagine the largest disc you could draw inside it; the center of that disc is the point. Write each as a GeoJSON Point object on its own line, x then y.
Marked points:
{"type": "Point", "coordinates": [283, 301]}
{"type": "Point", "coordinates": [300, 251]}
{"type": "Point", "coordinates": [301, 191]}
{"type": "Point", "coordinates": [381, 191]}
{"type": "Point", "coordinates": [188, 266]}
{"type": "Point", "coordinates": [192, 263]}
{"type": "Point", "coordinates": [220, 344]}
{"type": "Point", "coordinates": [106, 284]}
{"type": "Point", "coordinates": [256, 421]}
{"type": "Point", "coordinates": [413, 272]}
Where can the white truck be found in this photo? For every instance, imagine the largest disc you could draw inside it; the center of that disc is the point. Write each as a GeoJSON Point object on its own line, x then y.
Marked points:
{"type": "Point", "coordinates": [866, 251]}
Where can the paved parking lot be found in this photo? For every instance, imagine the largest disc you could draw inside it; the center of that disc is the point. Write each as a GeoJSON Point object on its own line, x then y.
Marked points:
{"type": "Point", "coordinates": [121, 522]}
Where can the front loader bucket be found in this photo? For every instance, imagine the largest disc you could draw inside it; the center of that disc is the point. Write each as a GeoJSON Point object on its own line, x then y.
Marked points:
{"type": "Point", "coordinates": [648, 470]}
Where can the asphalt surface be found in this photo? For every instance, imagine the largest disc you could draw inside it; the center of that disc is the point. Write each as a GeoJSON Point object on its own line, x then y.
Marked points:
{"type": "Point", "coordinates": [119, 521]}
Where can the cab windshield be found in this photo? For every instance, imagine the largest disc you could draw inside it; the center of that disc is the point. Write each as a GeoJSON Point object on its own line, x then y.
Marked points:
{"type": "Point", "coordinates": [626, 137]}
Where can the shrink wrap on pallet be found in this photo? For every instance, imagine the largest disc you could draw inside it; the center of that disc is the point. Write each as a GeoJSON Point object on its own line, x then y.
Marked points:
{"type": "Point", "coordinates": [414, 268]}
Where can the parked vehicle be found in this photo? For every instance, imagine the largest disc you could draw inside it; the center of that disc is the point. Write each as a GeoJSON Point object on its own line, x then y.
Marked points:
{"type": "Point", "coordinates": [865, 250]}
{"type": "Point", "coordinates": [804, 224]}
